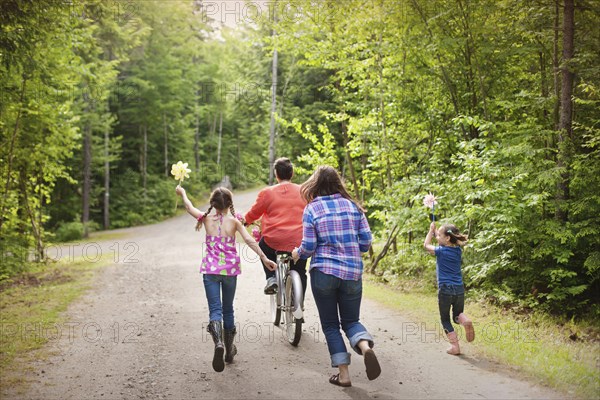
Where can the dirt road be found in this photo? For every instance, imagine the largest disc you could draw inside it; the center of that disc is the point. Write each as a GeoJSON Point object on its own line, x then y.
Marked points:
{"type": "Point", "coordinates": [139, 333]}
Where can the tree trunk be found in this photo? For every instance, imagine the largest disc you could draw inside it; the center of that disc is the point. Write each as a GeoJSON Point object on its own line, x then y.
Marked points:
{"type": "Point", "coordinates": [166, 145]}
{"type": "Point", "coordinates": [386, 248]}
{"type": "Point", "coordinates": [11, 153]}
{"type": "Point", "coordinates": [273, 105]}
{"type": "Point", "coordinates": [385, 145]}
{"type": "Point", "coordinates": [555, 64]}
{"type": "Point", "coordinates": [565, 124]}
{"type": "Point", "coordinates": [106, 223]}
{"type": "Point", "coordinates": [219, 142]}
{"type": "Point", "coordinates": [37, 234]}
{"type": "Point", "coordinates": [87, 178]}
{"type": "Point", "coordinates": [145, 159]}
{"type": "Point", "coordinates": [197, 144]}
{"type": "Point", "coordinates": [349, 160]}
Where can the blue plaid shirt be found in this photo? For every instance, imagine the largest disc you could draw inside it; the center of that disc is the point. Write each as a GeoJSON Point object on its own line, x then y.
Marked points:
{"type": "Point", "coordinates": [335, 232]}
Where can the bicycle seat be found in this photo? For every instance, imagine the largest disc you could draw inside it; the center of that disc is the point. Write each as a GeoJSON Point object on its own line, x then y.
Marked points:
{"type": "Point", "coordinates": [284, 254]}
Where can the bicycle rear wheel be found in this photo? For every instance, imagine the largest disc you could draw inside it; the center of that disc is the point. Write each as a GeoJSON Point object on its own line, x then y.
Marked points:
{"type": "Point", "coordinates": [292, 325]}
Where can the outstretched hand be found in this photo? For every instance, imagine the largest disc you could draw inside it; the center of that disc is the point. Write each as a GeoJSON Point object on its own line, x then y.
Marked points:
{"type": "Point", "coordinates": [270, 264]}
{"type": "Point", "coordinates": [179, 190]}
{"type": "Point", "coordinates": [295, 255]}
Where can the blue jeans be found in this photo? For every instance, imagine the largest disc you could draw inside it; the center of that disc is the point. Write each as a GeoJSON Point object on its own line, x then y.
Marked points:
{"type": "Point", "coordinates": [220, 310]}
{"type": "Point", "coordinates": [450, 296]}
{"type": "Point", "coordinates": [338, 302]}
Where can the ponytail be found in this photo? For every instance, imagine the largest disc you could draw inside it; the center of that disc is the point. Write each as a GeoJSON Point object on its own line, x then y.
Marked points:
{"type": "Point", "coordinates": [455, 236]}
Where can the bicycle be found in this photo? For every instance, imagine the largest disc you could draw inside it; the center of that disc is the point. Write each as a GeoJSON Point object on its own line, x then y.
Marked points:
{"type": "Point", "coordinates": [288, 302]}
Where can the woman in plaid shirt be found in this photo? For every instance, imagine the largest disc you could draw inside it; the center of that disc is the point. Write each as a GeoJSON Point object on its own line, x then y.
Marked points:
{"type": "Point", "coordinates": [335, 233]}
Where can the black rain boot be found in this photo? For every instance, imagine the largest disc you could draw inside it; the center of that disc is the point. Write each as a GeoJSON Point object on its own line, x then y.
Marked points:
{"type": "Point", "coordinates": [230, 349]}
{"type": "Point", "coordinates": [216, 331]}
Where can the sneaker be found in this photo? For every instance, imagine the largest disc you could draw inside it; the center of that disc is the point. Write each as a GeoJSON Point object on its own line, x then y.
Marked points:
{"type": "Point", "coordinates": [271, 287]}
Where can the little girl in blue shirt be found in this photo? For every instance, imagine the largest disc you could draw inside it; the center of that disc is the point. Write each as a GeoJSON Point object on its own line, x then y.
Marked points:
{"type": "Point", "coordinates": [451, 291]}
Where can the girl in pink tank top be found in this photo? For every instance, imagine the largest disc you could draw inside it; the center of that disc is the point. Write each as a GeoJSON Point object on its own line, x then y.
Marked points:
{"type": "Point", "coordinates": [220, 267]}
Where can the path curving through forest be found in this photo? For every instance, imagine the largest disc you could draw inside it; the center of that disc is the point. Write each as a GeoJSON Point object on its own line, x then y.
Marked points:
{"type": "Point", "coordinates": [139, 333]}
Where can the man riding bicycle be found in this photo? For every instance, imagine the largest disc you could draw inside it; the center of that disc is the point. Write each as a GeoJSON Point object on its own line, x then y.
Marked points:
{"type": "Point", "coordinates": [280, 206]}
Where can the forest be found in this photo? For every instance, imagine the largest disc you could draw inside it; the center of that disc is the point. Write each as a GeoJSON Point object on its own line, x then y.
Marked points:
{"type": "Point", "coordinates": [491, 105]}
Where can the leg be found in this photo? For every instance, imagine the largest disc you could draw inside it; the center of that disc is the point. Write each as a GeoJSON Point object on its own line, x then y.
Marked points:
{"type": "Point", "coordinates": [444, 303]}
{"type": "Point", "coordinates": [325, 288]}
{"type": "Point", "coordinates": [271, 286]}
{"type": "Point", "coordinates": [212, 288]}
{"type": "Point", "coordinates": [349, 303]}
{"type": "Point", "coordinates": [271, 255]}
{"type": "Point", "coordinates": [460, 318]}
{"type": "Point", "coordinates": [229, 285]}
{"type": "Point", "coordinates": [360, 340]}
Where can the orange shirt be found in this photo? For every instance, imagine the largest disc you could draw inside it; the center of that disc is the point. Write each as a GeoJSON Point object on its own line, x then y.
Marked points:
{"type": "Point", "coordinates": [281, 208]}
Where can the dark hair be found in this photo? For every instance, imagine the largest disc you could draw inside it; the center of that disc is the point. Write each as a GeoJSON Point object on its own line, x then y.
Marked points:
{"type": "Point", "coordinates": [325, 181]}
{"type": "Point", "coordinates": [284, 168]}
{"type": "Point", "coordinates": [455, 236]}
{"type": "Point", "coordinates": [221, 199]}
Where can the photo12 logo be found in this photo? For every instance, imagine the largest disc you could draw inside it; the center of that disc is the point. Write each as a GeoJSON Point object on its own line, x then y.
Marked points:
{"type": "Point", "coordinates": [254, 332]}
{"type": "Point", "coordinates": [233, 13]}
{"type": "Point", "coordinates": [90, 332]}
{"type": "Point", "coordinates": [125, 253]}
{"type": "Point", "coordinates": [121, 12]}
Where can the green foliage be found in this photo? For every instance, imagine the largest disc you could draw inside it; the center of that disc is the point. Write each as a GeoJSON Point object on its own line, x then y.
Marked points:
{"type": "Point", "coordinates": [457, 98]}
{"type": "Point", "coordinates": [69, 231]}
{"type": "Point", "coordinates": [132, 207]}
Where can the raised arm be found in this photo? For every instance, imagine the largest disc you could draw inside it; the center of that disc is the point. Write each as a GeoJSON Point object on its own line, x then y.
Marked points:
{"type": "Point", "coordinates": [254, 246]}
{"type": "Point", "coordinates": [193, 211]}
{"type": "Point", "coordinates": [427, 244]}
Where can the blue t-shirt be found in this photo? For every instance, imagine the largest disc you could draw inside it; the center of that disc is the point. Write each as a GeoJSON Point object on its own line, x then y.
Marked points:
{"type": "Point", "coordinates": [448, 260]}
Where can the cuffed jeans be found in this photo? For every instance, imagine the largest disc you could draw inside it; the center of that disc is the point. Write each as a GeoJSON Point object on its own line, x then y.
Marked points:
{"type": "Point", "coordinates": [338, 302]}
{"type": "Point", "coordinates": [220, 309]}
{"type": "Point", "coordinates": [450, 296]}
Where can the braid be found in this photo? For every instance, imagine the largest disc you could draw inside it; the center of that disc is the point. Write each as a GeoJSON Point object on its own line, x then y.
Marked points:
{"type": "Point", "coordinates": [232, 210]}
{"type": "Point", "coordinates": [199, 224]}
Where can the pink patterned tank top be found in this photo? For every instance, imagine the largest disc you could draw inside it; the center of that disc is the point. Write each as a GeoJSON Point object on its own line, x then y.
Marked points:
{"type": "Point", "coordinates": [221, 254]}
{"type": "Point", "coordinates": [221, 257]}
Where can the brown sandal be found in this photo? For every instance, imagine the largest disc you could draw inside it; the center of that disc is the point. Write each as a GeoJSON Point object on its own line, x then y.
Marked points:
{"type": "Point", "coordinates": [335, 380]}
{"type": "Point", "coordinates": [372, 365]}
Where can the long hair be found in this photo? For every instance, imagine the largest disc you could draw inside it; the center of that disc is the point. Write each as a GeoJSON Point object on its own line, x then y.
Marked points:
{"type": "Point", "coordinates": [325, 181]}
{"type": "Point", "coordinates": [220, 199]}
{"type": "Point", "coordinates": [456, 237]}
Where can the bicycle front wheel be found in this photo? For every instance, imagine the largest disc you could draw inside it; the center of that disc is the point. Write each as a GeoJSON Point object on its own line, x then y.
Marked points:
{"type": "Point", "coordinates": [275, 308]}
{"type": "Point", "coordinates": [276, 300]}
{"type": "Point", "coordinates": [293, 325]}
